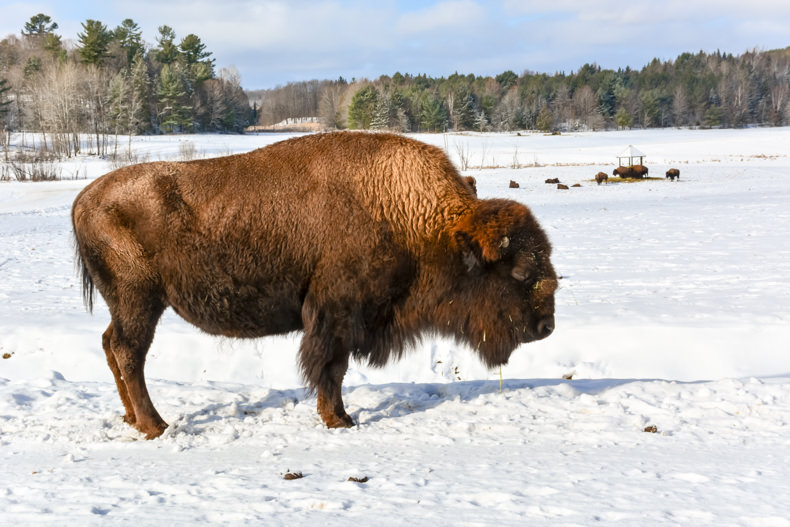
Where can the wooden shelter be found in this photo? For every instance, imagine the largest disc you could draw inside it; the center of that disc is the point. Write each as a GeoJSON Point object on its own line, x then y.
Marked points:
{"type": "Point", "coordinates": [631, 153]}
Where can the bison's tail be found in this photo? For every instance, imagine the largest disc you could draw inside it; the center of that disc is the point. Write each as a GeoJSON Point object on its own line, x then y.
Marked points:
{"type": "Point", "coordinates": [88, 287]}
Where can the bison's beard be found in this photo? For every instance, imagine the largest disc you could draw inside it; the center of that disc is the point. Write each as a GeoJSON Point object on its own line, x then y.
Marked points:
{"type": "Point", "coordinates": [495, 346]}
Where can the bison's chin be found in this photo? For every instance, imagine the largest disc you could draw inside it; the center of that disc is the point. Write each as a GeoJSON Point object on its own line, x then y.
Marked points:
{"type": "Point", "coordinates": [496, 352]}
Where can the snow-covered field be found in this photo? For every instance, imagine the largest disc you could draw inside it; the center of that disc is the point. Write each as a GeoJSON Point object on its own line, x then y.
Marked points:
{"type": "Point", "coordinates": [673, 313]}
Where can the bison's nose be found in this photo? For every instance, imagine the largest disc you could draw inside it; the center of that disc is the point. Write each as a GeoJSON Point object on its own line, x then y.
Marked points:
{"type": "Point", "coordinates": [545, 327]}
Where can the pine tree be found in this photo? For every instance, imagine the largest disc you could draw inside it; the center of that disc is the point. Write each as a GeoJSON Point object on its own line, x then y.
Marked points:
{"type": "Point", "coordinates": [167, 52]}
{"type": "Point", "coordinates": [381, 112]}
{"type": "Point", "coordinates": [174, 112]}
{"type": "Point", "coordinates": [433, 117]}
{"type": "Point", "coordinates": [129, 37]}
{"type": "Point", "coordinates": [95, 42]}
{"type": "Point", "coordinates": [140, 113]}
{"type": "Point", "coordinates": [545, 119]}
{"type": "Point", "coordinates": [623, 119]}
{"type": "Point", "coordinates": [363, 104]}
{"type": "Point", "coordinates": [39, 26]}
{"type": "Point", "coordinates": [481, 121]}
{"type": "Point", "coordinates": [119, 95]}
{"type": "Point", "coordinates": [4, 87]}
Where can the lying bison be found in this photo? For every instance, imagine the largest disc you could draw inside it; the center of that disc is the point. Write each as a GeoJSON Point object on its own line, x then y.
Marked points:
{"type": "Point", "coordinates": [601, 177]}
{"type": "Point", "coordinates": [633, 171]}
{"type": "Point", "coordinates": [673, 173]}
{"type": "Point", "coordinates": [363, 241]}
{"type": "Point", "coordinates": [553, 181]}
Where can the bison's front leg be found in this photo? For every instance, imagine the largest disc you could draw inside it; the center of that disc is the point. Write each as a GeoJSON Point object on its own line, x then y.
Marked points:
{"type": "Point", "coordinates": [330, 399]}
{"type": "Point", "coordinates": [323, 359]}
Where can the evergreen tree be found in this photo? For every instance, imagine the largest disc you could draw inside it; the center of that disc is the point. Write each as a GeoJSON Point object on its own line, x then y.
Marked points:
{"type": "Point", "coordinates": [382, 112]}
{"type": "Point", "coordinates": [507, 79]}
{"type": "Point", "coordinates": [39, 26]}
{"type": "Point", "coordinates": [95, 41]}
{"type": "Point", "coordinates": [167, 52]}
{"type": "Point", "coordinates": [4, 103]}
{"type": "Point", "coordinates": [623, 119]}
{"type": "Point", "coordinates": [363, 105]}
{"type": "Point", "coordinates": [119, 111]}
{"type": "Point", "coordinates": [433, 116]}
{"type": "Point", "coordinates": [54, 44]}
{"type": "Point", "coordinates": [545, 119]}
{"type": "Point", "coordinates": [140, 112]}
{"type": "Point", "coordinates": [200, 66]}
{"type": "Point", "coordinates": [174, 110]}
{"type": "Point", "coordinates": [129, 37]}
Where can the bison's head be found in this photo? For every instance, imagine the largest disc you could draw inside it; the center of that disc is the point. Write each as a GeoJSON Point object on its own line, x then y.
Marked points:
{"type": "Point", "coordinates": [505, 280]}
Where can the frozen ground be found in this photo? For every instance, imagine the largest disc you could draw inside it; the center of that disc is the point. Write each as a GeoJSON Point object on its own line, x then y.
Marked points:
{"type": "Point", "coordinates": [674, 312]}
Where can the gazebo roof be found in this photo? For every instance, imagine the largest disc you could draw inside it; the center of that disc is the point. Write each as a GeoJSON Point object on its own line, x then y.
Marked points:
{"type": "Point", "coordinates": [632, 151]}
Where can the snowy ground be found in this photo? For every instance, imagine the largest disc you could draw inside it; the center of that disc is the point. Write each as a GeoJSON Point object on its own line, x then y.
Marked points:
{"type": "Point", "coordinates": [673, 313]}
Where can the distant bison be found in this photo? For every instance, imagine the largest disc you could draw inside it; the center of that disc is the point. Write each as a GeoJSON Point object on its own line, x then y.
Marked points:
{"type": "Point", "coordinates": [513, 184]}
{"type": "Point", "coordinates": [601, 177]}
{"type": "Point", "coordinates": [553, 181]}
{"type": "Point", "coordinates": [560, 186]}
{"type": "Point", "coordinates": [673, 173]}
{"type": "Point", "coordinates": [633, 171]}
{"type": "Point", "coordinates": [363, 241]}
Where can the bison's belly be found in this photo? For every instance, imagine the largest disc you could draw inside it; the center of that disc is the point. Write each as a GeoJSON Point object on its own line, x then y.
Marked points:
{"type": "Point", "coordinates": [245, 311]}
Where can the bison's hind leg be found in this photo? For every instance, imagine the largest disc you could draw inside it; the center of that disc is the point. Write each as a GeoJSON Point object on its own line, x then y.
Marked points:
{"type": "Point", "coordinates": [126, 344]}
{"type": "Point", "coordinates": [116, 372]}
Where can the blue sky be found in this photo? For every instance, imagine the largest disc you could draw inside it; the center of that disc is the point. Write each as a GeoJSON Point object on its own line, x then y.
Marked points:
{"type": "Point", "coordinates": [274, 42]}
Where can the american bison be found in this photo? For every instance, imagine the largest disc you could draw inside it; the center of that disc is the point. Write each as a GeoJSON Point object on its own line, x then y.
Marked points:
{"type": "Point", "coordinates": [560, 186]}
{"type": "Point", "coordinates": [553, 181]}
{"type": "Point", "coordinates": [633, 171]}
{"type": "Point", "coordinates": [601, 177]}
{"type": "Point", "coordinates": [673, 173]}
{"type": "Point", "coordinates": [362, 241]}
{"type": "Point", "coordinates": [513, 184]}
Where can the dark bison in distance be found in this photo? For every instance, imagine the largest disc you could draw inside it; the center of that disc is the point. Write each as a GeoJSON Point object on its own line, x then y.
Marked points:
{"type": "Point", "coordinates": [633, 171]}
{"type": "Point", "coordinates": [601, 177]}
{"type": "Point", "coordinates": [673, 173]}
{"type": "Point", "coordinates": [363, 241]}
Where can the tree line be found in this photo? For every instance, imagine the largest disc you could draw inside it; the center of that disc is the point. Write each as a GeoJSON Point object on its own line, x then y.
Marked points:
{"type": "Point", "coordinates": [114, 83]}
{"type": "Point", "coordinates": [700, 90]}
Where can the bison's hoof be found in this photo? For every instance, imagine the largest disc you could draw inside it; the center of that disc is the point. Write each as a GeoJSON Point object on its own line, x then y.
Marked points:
{"type": "Point", "coordinates": [343, 421]}
{"type": "Point", "coordinates": [152, 432]}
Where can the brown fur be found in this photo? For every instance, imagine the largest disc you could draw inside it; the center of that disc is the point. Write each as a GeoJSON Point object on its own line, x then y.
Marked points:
{"type": "Point", "coordinates": [513, 184]}
{"type": "Point", "coordinates": [673, 173]}
{"type": "Point", "coordinates": [601, 177]}
{"type": "Point", "coordinates": [553, 181]}
{"type": "Point", "coordinates": [634, 171]}
{"type": "Point", "coordinates": [560, 186]}
{"type": "Point", "coordinates": [472, 182]}
{"type": "Point", "coordinates": [363, 241]}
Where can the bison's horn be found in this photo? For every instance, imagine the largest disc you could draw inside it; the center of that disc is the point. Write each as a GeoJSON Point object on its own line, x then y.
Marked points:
{"type": "Point", "coordinates": [505, 242]}
{"type": "Point", "coordinates": [520, 269]}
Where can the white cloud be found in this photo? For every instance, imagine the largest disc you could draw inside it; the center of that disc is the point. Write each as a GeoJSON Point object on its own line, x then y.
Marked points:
{"type": "Point", "coordinates": [454, 15]}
